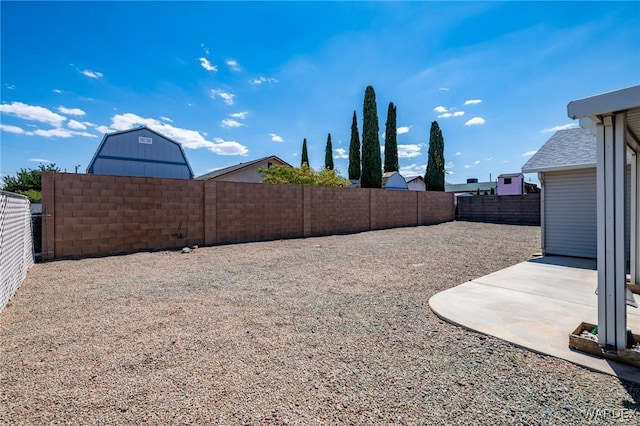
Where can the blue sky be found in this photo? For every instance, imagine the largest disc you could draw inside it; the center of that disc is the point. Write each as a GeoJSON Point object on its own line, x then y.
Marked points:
{"type": "Point", "coordinates": [237, 81]}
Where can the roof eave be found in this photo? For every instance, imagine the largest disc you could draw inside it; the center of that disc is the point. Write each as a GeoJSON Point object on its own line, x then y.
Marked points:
{"type": "Point", "coordinates": [605, 103]}
{"type": "Point", "coordinates": [559, 168]}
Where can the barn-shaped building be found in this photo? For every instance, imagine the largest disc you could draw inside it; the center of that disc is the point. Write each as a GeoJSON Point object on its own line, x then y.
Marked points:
{"type": "Point", "coordinates": [140, 152]}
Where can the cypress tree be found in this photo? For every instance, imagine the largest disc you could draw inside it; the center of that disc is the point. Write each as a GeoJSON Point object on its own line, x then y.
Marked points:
{"type": "Point", "coordinates": [305, 157]}
{"type": "Point", "coordinates": [434, 177]}
{"type": "Point", "coordinates": [371, 161]}
{"type": "Point", "coordinates": [354, 150]}
{"type": "Point", "coordinates": [391, 141]}
{"type": "Point", "coordinates": [328, 154]}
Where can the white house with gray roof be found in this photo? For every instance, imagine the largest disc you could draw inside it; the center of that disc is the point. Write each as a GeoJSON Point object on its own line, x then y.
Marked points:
{"type": "Point", "coordinates": [566, 168]}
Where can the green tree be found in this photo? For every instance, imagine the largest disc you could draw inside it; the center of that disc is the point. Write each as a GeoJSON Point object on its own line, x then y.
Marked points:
{"type": "Point", "coordinates": [28, 181]}
{"type": "Point", "coordinates": [305, 156]}
{"type": "Point", "coordinates": [371, 162]}
{"type": "Point", "coordinates": [391, 141]}
{"type": "Point", "coordinates": [434, 177]}
{"type": "Point", "coordinates": [303, 175]}
{"type": "Point", "coordinates": [328, 154]}
{"type": "Point", "coordinates": [354, 150]}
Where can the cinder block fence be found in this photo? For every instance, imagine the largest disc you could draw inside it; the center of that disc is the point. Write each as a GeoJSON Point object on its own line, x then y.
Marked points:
{"type": "Point", "coordinates": [93, 215]}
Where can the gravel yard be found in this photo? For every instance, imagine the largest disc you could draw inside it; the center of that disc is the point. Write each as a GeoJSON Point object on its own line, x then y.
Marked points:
{"type": "Point", "coordinates": [309, 331]}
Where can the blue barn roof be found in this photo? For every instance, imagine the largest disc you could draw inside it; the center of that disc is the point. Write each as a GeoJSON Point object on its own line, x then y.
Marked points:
{"type": "Point", "coordinates": [140, 151]}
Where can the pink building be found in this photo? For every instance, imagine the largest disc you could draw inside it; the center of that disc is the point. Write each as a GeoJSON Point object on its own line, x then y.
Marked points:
{"type": "Point", "coordinates": [510, 184]}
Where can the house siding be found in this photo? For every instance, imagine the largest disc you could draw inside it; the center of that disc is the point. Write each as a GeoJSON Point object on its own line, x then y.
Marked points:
{"type": "Point", "coordinates": [570, 213]}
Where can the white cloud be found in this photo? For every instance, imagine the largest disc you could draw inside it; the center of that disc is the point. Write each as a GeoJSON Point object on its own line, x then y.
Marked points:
{"type": "Point", "coordinates": [222, 147]}
{"type": "Point", "coordinates": [472, 101]}
{"type": "Point", "coordinates": [91, 74]}
{"type": "Point", "coordinates": [103, 129]}
{"type": "Point", "coordinates": [403, 129]}
{"type": "Point", "coordinates": [276, 138]}
{"type": "Point", "coordinates": [476, 162]}
{"type": "Point", "coordinates": [444, 89]}
{"type": "Point", "coordinates": [475, 121]}
{"type": "Point", "coordinates": [560, 127]}
{"type": "Point", "coordinates": [261, 80]}
{"type": "Point", "coordinates": [167, 119]}
{"type": "Point", "coordinates": [71, 111]}
{"type": "Point", "coordinates": [204, 62]}
{"type": "Point", "coordinates": [489, 159]}
{"type": "Point", "coordinates": [445, 115]}
{"type": "Point", "coordinates": [449, 165]}
{"type": "Point", "coordinates": [61, 133]}
{"type": "Point", "coordinates": [458, 113]}
{"type": "Point", "coordinates": [73, 124]}
{"type": "Point", "coordinates": [30, 112]}
{"type": "Point", "coordinates": [205, 48]}
{"type": "Point", "coordinates": [40, 160]}
{"type": "Point", "coordinates": [57, 91]}
{"type": "Point", "coordinates": [227, 97]}
{"type": "Point", "coordinates": [239, 115]}
{"type": "Point", "coordinates": [88, 123]}
{"type": "Point", "coordinates": [341, 153]}
{"type": "Point", "coordinates": [457, 154]}
{"type": "Point", "coordinates": [233, 64]}
{"type": "Point", "coordinates": [466, 166]}
{"type": "Point", "coordinates": [529, 153]}
{"type": "Point", "coordinates": [191, 139]}
{"type": "Point", "coordinates": [13, 129]}
{"type": "Point", "coordinates": [413, 170]}
{"type": "Point", "coordinates": [227, 122]}
{"type": "Point", "coordinates": [440, 109]}
{"type": "Point", "coordinates": [408, 151]}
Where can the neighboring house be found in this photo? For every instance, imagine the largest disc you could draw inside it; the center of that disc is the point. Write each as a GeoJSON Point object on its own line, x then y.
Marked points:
{"type": "Point", "coordinates": [566, 167]}
{"type": "Point", "coordinates": [510, 184]}
{"type": "Point", "coordinates": [393, 180]}
{"type": "Point", "coordinates": [140, 152]}
{"type": "Point", "coordinates": [471, 187]}
{"type": "Point", "coordinates": [248, 172]}
{"type": "Point", "coordinates": [416, 183]}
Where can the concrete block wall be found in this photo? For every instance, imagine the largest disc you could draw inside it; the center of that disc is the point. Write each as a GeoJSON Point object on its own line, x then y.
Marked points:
{"type": "Point", "coordinates": [508, 209]}
{"type": "Point", "coordinates": [98, 214]}
{"type": "Point", "coordinates": [435, 207]}
{"type": "Point", "coordinates": [393, 209]}
{"type": "Point", "coordinates": [337, 210]}
{"type": "Point", "coordinates": [93, 215]}
{"type": "Point", "coordinates": [257, 212]}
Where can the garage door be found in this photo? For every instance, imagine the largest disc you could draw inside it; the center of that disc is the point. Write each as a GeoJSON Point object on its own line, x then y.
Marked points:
{"type": "Point", "coordinates": [570, 222]}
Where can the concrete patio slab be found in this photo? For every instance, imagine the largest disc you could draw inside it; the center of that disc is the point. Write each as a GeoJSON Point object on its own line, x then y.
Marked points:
{"type": "Point", "coordinates": [535, 305]}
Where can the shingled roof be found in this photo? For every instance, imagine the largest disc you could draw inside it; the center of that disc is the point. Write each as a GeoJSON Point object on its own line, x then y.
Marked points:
{"type": "Point", "coordinates": [566, 149]}
{"type": "Point", "coordinates": [216, 173]}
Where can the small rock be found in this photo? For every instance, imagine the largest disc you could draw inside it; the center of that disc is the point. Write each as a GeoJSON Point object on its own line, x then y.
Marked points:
{"type": "Point", "coordinates": [345, 404]}
{"type": "Point", "coordinates": [124, 408]}
{"type": "Point", "coordinates": [186, 250]}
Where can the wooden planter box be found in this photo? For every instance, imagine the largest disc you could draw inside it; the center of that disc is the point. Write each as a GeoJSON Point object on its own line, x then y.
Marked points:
{"type": "Point", "coordinates": [589, 346]}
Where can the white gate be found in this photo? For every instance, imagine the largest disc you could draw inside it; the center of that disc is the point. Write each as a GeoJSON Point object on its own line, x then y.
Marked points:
{"type": "Point", "coordinates": [16, 243]}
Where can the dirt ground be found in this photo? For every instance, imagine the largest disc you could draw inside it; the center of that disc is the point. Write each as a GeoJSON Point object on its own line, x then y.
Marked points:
{"type": "Point", "coordinates": [308, 331]}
